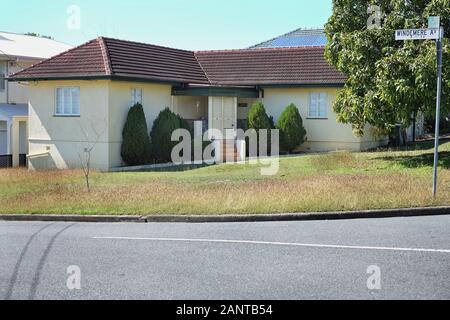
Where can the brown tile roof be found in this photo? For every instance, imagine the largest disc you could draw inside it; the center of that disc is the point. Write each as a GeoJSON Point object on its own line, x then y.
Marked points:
{"type": "Point", "coordinates": [117, 59]}
{"type": "Point", "coordinates": [104, 57]}
{"type": "Point", "coordinates": [132, 59]}
{"type": "Point", "coordinates": [85, 60]}
{"type": "Point", "coordinates": [288, 66]}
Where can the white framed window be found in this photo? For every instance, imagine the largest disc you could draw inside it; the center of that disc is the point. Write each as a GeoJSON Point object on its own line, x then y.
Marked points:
{"type": "Point", "coordinates": [67, 101]}
{"type": "Point", "coordinates": [136, 96]}
{"type": "Point", "coordinates": [318, 105]}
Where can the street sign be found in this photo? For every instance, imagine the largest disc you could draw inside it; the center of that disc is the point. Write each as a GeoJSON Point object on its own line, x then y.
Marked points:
{"type": "Point", "coordinates": [434, 32]}
{"type": "Point", "coordinates": [417, 34]}
{"type": "Point", "coordinates": [434, 22]}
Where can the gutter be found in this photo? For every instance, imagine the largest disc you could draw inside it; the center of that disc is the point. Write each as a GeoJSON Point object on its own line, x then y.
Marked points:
{"type": "Point", "coordinates": [316, 216]}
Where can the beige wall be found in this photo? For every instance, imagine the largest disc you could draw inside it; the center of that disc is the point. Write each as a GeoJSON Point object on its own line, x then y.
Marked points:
{"type": "Point", "coordinates": [243, 112]}
{"type": "Point", "coordinates": [156, 97]}
{"type": "Point", "coordinates": [104, 107]}
{"type": "Point", "coordinates": [62, 137]}
{"type": "Point", "coordinates": [57, 142]}
{"type": "Point", "coordinates": [191, 108]}
{"type": "Point", "coordinates": [17, 93]}
{"type": "Point", "coordinates": [323, 134]}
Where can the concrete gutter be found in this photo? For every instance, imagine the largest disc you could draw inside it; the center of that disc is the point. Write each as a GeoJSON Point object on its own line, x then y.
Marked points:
{"type": "Point", "coordinates": [341, 215]}
{"type": "Point", "coordinates": [71, 218]}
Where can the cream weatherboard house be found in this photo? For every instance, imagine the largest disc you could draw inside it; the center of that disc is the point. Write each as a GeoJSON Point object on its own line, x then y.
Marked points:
{"type": "Point", "coordinates": [17, 52]}
{"type": "Point", "coordinates": [84, 95]}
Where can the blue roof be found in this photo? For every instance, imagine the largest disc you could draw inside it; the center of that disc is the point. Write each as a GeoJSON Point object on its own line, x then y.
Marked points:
{"type": "Point", "coordinates": [297, 38]}
{"type": "Point", "coordinates": [299, 41]}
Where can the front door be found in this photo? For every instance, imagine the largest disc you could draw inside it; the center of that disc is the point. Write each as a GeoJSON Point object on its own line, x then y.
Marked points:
{"type": "Point", "coordinates": [223, 116]}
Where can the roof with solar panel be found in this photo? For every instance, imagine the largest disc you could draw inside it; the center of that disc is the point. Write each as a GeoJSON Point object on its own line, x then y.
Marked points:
{"type": "Point", "coordinates": [298, 38]}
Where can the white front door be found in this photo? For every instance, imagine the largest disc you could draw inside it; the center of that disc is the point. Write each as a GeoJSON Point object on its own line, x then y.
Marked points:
{"type": "Point", "coordinates": [223, 116]}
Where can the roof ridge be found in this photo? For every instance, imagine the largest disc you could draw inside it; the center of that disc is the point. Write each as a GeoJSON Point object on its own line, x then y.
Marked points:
{"type": "Point", "coordinates": [203, 69]}
{"type": "Point", "coordinates": [106, 57]}
{"type": "Point", "coordinates": [147, 44]}
{"type": "Point", "coordinates": [261, 49]}
{"type": "Point", "coordinates": [52, 58]}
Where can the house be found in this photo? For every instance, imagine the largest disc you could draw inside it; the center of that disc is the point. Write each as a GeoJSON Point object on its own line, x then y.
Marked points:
{"type": "Point", "coordinates": [18, 52]}
{"type": "Point", "coordinates": [84, 95]}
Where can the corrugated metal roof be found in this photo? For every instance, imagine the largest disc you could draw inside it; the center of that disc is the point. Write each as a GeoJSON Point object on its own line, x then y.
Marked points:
{"type": "Point", "coordinates": [18, 45]}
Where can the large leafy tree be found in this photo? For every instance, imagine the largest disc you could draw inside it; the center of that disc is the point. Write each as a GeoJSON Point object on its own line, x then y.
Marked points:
{"type": "Point", "coordinates": [389, 81]}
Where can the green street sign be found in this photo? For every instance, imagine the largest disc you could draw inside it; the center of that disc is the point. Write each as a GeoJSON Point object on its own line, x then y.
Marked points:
{"type": "Point", "coordinates": [434, 22]}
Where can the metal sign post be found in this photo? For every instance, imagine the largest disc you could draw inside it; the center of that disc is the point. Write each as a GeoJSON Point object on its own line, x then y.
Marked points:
{"type": "Point", "coordinates": [435, 32]}
{"type": "Point", "coordinates": [438, 109]}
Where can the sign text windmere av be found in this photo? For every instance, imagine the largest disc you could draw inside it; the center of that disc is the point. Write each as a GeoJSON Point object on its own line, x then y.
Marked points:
{"type": "Point", "coordinates": [417, 34]}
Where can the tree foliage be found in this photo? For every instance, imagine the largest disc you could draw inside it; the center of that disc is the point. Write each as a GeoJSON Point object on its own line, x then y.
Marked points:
{"type": "Point", "coordinates": [258, 118]}
{"type": "Point", "coordinates": [292, 132]}
{"type": "Point", "coordinates": [136, 147]}
{"type": "Point", "coordinates": [389, 81]}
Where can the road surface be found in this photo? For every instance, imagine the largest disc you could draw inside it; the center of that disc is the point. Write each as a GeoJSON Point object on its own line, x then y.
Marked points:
{"type": "Point", "coordinates": [407, 258]}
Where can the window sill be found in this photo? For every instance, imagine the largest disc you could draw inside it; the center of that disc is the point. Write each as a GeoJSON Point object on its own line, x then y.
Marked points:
{"type": "Point", "coordinates": [66, 116]}
{"type": "Point", "coordinates": [316, 118]}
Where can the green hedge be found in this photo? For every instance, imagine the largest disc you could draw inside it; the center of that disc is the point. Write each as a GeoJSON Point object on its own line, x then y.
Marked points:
{"type": "Point", "coordinates": [165, 124]}
{"type": "Point", "coordinates": [136, 146]}
{"type": "Point", "coordinates": [292, 132]}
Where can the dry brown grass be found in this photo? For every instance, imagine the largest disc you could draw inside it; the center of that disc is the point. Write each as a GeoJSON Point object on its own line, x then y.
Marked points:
{"type": "Point", "coordinates": [149, 193]}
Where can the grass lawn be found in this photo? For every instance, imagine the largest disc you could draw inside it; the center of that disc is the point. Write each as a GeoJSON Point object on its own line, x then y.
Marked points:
{"type": "Point", "coordinates": [327, 182]}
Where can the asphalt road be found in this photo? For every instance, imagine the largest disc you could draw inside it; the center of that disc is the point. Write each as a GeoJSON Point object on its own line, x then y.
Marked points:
{"type": "Point", "coordinates": [285, 260]}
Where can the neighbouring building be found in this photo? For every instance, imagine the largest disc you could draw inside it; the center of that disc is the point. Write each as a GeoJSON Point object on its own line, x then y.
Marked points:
{"type": "Point", "coordinates": [18, 52]}
{"type": "Point", "coordinates": [84, 95]}
{"type": "Point", "coordinates": [297, 38]}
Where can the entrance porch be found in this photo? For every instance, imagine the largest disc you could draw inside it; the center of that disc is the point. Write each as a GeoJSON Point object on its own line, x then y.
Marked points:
{"type": "Point", "coordinates": [220, 111]}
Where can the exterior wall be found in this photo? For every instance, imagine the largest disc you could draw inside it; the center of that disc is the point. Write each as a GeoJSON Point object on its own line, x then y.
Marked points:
{"type": "Point", "coordinates": [23, 138]}
{"type": "Point", "coordinates": [57, 142]}
{"type": "Point", "coordinates": [3, 70]}
{"type": "Point", "coordinates": [3, 137]}
{"type": "Point", "coordinates": [243, 112]}
{"type": "Point", "coordinates": [156, 97]}
{"type": "Point", "coordinates": [15, 93]}
{"type": "Point", "coordinates": [323, 134]}
{"type": "Point", "coordinates": [191, 108]}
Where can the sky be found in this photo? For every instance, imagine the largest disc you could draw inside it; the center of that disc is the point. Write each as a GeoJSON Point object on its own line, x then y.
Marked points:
{"type": "Point", "coordinates": [184, 24]}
